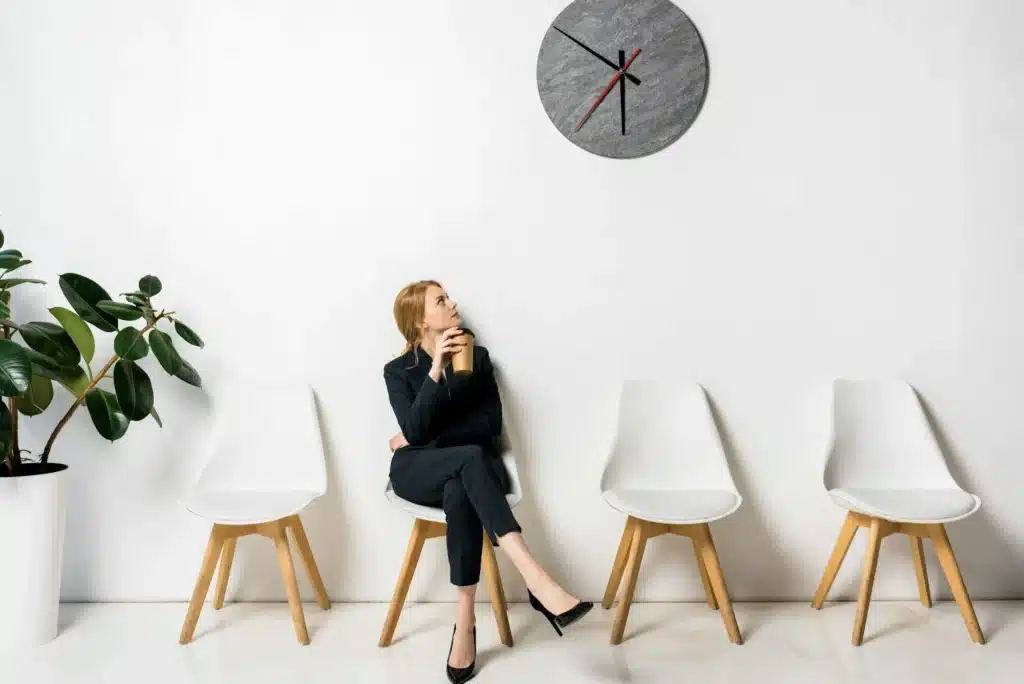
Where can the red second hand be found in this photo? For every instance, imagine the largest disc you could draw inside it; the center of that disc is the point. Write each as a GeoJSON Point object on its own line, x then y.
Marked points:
{"type": "Point", "coordinates": [608, 89]}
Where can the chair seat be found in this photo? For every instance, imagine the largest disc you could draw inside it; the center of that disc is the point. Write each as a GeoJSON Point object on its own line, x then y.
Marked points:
{"type": "Point", "coordinates": [247, 507]}
{"type": "Point", "coordinates": [429, 512]}
{"type": "Point", "coordinates": [908, 505]}
{"type": "Point", "coordinates": [674, 507]}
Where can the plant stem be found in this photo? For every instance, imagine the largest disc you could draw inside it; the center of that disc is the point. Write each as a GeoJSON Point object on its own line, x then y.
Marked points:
{"type": "Point", "coordinates": [78, 402]}
{"type": "Point", "coordinates": [13, 457]}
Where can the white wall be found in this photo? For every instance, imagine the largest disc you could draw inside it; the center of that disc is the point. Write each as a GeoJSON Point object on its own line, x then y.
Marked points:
{"type": "Point", "coordinates": [847, 203]}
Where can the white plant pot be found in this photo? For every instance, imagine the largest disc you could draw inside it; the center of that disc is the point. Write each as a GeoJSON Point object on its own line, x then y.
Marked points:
{"type": "Point", "coordinates": [32, 518]}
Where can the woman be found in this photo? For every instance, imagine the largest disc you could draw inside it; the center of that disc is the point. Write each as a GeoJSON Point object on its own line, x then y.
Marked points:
{"type": "Point", "coordinates": [447, 454]}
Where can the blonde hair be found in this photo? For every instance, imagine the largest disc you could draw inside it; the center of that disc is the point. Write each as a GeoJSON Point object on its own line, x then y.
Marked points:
{"type": "Point", "coordinates": [410, 306]}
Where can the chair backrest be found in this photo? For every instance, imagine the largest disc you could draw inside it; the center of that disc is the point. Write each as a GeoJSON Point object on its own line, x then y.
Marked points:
{"type": "Point", "coordinates": [666, 439]}
{"type": "Point", "coordinates": [881, 439]}
{"type": "Point", "coordinates": [266, 438]}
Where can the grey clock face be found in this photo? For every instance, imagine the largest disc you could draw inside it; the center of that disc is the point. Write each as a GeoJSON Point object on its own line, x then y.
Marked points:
{"type": "Point", "coordinates": [622, 78]}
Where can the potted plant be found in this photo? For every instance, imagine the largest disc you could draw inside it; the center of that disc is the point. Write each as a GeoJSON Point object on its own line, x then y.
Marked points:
{"type": "Point", "coordinates": [34, 358]}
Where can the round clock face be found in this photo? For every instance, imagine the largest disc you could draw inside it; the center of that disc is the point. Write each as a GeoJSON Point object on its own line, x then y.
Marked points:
{"type": "Point", "coordinates": [622, 78]}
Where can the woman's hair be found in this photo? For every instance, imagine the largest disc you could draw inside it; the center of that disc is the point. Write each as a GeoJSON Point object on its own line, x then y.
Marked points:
{"type": "Point", "coordinates": [410, 305]}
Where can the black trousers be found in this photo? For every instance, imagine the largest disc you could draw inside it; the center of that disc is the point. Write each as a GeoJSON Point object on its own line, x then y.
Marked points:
{"type": "Point", "coordinates": [469, 483]}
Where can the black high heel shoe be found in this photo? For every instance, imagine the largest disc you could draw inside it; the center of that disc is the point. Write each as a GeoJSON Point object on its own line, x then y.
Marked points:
{"type": "Point", "coordinates": [458, 675]}
{"type": "Point", "coordinates": [560, 622]}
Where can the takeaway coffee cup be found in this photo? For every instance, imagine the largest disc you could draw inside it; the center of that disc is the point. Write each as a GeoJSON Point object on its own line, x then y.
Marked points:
{"type": "Point", "coordinates": [462, 361]}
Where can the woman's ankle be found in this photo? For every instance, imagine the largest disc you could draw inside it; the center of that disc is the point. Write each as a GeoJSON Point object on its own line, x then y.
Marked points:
{"type": "Point", "coordinates": [466, 616]}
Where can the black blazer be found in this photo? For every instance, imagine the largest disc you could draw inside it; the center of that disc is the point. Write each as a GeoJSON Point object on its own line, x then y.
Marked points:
{"type": "Point", "coordinates": [458, 410]}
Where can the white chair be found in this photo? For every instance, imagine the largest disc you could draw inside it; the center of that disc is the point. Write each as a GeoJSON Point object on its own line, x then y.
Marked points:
{"type": "Point", "coordinates": [430, 523]}
{"type": "Point", "coordinates": [668, 473]}
{"type": "Point", "coordinates": [266, 464]}
{"type": "Point", "coordinates": [886, 469]}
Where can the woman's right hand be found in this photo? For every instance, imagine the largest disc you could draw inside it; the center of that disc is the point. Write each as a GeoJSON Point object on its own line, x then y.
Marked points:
{"type": "Point", "coordinates": [397, 442]}
{"type": "Point", "coordinates": [448, 343]}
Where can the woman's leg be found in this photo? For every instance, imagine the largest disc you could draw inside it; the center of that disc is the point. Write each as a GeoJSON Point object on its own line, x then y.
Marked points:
{"type": "Point", "coordinates": [422, 475]}
{"type": "Point", "coordinates": [548, 591]}
{"type": "Point", "coordinates": [465, 540]}
{"type": "Point", "coordinates": [465, 535]}
{"type": "Point", "coordinates": [463, 648]}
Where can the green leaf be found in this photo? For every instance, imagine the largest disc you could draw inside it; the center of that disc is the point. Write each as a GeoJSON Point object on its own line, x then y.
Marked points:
{"type": "Point", "coordinates": [189, 374]}
{"type": "Point", "coordinates": [156, 416]}
{"type": "Point", "coordinates": [12, 252]}
{"type": "Point", "coordinates": [6, 430]}
{"type": "Point", "coordinates": [23, 262]}
{"type": "Point", "coordinates": [74, 380]}
{"type": "Point", "coordinates": [15, 369]}
{"type": "Point", "coordinates": [150, 286]}
{"type": "Point", "coordinates": [106, 414]}
{"type": "Point", "coordinates": [126, 312]}
{"type": "Point", "coordinates": [38, 397]}
{"type": "Point", "coordinates": [134, 390]}
{"type": "Point", "coordinates": [140, 300]}
{"type": "Point", "coordinates": [7, 322]}
{"type": "Point", "coordinates": [42, 361]}
{"type": "Point", "coordinates": [53, 341]}
{"type": "Point", "coordinates": [11, 282]}
{"type": "Point", "coordinates": [83, 295]}
{"type": "Point", "coordinates": [188, 334]}
{"type": "Point", "coordinates": [5, 310]}
{"type": "Point", "coordinates": [130, 344]}
{"type": "Point", "coordinates": [80, 332]}
{"type": "Point", "coordinates": [9, 261]}
{"type": "Point", "coordinates": [1, 245]}
{"type": "Point", "coordinates": [166, 354]}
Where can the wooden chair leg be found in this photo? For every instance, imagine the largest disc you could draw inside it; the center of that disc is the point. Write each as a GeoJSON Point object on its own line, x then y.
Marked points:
{"type": "Point", "coordinates": [195, 606]}
{"type": "Point", "coordinates": [636, 556]}
{"type": "Point", "coordinates": [705, 580]}
{"type": "Point", "coordinates": [621, 556]}
{"type": "Point", "coordinates": [947, 560]}
{"type": "Point", "coordinates": [867, 580]}
{"type": "Point", "coordinates": [710, 557]}
{"type": "Point", "coordinates": [306, 554]}
{"type": "Point", "coordinates": [846, 535]}
{"type": "Point", "coordinates": [291, 585]}
{"type": "Point", "coordinates": [921, 570]}
{"type": "Point", "coordinates": [412, 557]}
{"type": "Point", "coordinates": [493, 579]}
{"type": "Point", "coordinates": [227, 556]}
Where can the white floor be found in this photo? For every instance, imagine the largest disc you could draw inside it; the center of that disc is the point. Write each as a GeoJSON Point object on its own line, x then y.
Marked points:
{"type": "Point", "coordinates": [788, 643]}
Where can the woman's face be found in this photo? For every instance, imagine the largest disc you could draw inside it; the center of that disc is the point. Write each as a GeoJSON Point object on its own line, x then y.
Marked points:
{"type": "Point", "coordinates": [439, 311]}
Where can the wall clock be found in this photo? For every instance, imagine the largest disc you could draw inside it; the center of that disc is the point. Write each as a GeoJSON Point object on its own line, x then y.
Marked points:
{"type": "Point", "coordinates": [622, 78]}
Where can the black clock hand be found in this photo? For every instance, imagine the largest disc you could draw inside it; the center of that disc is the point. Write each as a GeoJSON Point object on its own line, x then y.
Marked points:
{"type": "Point", "coordinates": [631, 77]}
{"type": "Point", "coordinates": [622, 91]}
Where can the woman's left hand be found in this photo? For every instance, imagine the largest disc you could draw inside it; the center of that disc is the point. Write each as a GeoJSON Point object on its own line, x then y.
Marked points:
{"type": "Point", "coordinates": [397, 442]}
